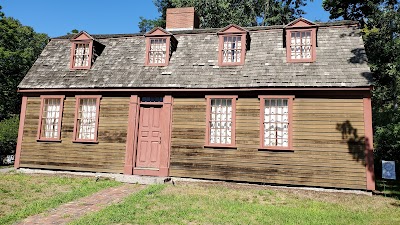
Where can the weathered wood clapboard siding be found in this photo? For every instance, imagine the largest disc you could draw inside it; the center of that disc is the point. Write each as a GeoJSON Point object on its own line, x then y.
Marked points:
{"type": "Point", "coordinates": [106, 156]}
{"type": "Point", "coordinates": [322, 155]}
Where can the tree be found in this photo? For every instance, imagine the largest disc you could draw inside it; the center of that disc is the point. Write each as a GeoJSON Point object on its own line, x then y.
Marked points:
{"type": "Point", "coordinates": [19, 47]}
{"type": "Point", "coordinates": [148, 24]}
{"type": "Point", "coordinates": [380, 20]}
{"type": "Point", "coordinates": [382, 41]}
{"type": "Point", "coordinates": [220, 13]}
{"type": "Point", "coordinates": [357, 10]}
{"type": "Point", "coordinates": [73, 31]}
{"type": "Point", "coordinates": [8, 135]}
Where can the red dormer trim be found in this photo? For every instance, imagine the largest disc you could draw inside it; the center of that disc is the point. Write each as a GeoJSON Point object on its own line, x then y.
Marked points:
{"type": "Point", "coordinates": [158, 34]}
{"type": "Point", "coordinates": [300, 22]}
{"type": "Point", "coordinates": [232, 31]}
{"type": "Point", "coordinates": [82, 38]}
{"type": "Point", "coordinates": [296, 26]}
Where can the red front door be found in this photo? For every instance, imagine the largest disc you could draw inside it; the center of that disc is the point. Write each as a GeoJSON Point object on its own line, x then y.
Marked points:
{"type": "Point", "coordinates": [149, 138]}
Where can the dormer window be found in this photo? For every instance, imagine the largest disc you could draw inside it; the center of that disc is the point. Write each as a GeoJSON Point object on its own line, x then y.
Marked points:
{"type": "Point", "coordinates": [301, 41]}
{"type": "Point", "coordinates": [232, 49]}
{"type": "Point", "coordinates": [84, 51]}
{"type": "Point", "coordinates": [81, 55]}
{"type": "Point", "coordinates": [158, 51]}
{"type": "Point", "coordinates": [159, 46]}
{"type": "Point", "coordinates": [232, 46]}
{"type": "Point", "coordinates": [300, 45]}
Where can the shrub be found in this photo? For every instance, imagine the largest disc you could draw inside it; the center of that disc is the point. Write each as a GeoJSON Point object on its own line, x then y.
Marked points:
{"type": "Point", "coordinates": [8, 135]}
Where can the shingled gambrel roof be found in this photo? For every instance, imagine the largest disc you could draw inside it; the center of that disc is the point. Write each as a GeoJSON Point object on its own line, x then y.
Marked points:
{"type": "Point", "coordinates": [341, 62]}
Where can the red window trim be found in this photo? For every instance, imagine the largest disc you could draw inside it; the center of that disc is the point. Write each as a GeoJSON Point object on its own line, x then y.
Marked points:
{"type": "Point", "coordinates": [77, 104]}
{"type": "Point", "coordinates": [313, 45]}
{"type": "Point", "coordinates": [72, 59]}
{"type": "Point", "coordinates": [262, 110]}
{"type": "Point", "coordinates": [167, 52]}
{"type": "Point", "coordinates": [208, 117]}
{"type": "Point", "coordinates": [221, 47]}
{"type": "Point", "coordinates": [39, 132]}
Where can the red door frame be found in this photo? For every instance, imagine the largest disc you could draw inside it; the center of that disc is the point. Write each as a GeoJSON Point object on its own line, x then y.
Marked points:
{"type": "Point", "coordinates": [132, 137]}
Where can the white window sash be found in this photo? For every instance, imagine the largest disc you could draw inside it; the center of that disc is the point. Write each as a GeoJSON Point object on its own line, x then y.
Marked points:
{"type": "Point", "coordinates": [51, 120]}
{"type": "Point", "coordinates": [87, 120]}
{"type": "Point", "coordinates": [276, 122]}
{"type": "Point", "coordinates": [221, 121]}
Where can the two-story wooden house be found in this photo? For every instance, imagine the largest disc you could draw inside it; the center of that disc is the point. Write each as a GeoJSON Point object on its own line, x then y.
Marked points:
{"type": "Point", "coordinates": [278, 104]}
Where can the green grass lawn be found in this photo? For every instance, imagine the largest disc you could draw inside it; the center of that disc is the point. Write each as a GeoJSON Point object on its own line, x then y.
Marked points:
{"type": "Point", "coordinates": [22, 195]}
{"type": "Point", "coordinates": [6, 166]}
{"type": "Point", "coordinates": [210, 203]}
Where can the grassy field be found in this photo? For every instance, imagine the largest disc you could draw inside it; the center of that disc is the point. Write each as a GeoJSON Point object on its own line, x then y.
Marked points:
{"type": "Point", "coordinates": [6, 166]}
{"type": "Point", "coordinates": [22, 195]}
{"type": "Point", "coordinates": [210, 203]}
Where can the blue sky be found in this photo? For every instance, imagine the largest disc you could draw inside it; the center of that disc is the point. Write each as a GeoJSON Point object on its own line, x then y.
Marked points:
{"type": "Point", "coordinates": [57, 17]}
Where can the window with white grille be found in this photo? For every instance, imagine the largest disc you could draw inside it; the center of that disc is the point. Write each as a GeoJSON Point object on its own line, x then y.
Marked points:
{"type": "Point", "coordinates": [81, 55]}
{"type": "Point", "coordinates": [300, 45]}
{"type": "Point", "coordinates": [50, 123]}
{"type": "Point", "coordinates": [232, 49]}
{"type": "Point", "coordinates": [158, 51]}
{"type": "Point", "coordinates": [276, 122]}
{"type": "Point", "coordinates": [221, 121]}
{"type": "Point", "coordinates": [86, 124]}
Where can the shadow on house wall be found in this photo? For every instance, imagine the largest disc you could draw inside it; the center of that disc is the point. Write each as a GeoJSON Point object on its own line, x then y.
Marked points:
{"type": "Point", "coordinates": [357, 145]}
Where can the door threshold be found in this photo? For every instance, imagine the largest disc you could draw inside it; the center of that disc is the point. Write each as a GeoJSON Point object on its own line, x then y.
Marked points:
{"type": "Point", "coordinates": [146, 168]}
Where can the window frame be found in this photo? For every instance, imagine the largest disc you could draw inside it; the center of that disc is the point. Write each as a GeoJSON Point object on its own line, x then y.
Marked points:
{"type": "Point", "coordinates": [167, 52]}
{"type": "Point", "coordinates": [208, 120]}
{"type": "Point", "coordinates": [77, 105]}
{"type": "Point", "coordinates": [290, 99]}
{"type": "Point", "coordinates": [313, 58]}
{"type": "Point", "coordinates": [243, 40]}
{"type": "Point", "coordinates": [39, 131]}
{"type": "Point", "coordinates": [72, 57]}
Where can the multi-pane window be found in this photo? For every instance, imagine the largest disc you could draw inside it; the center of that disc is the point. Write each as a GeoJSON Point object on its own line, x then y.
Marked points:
{"type": "Point", "coordinates": [151, 99]}
{"type": "Point", "coordinates": [275, 118]}
{"type": "Point", "coordinates": [300, 45]}
{"type": "Point", "coordinates": [50, 118]}
{"type": "Point", "coordinates": [157, 51]}
{"type": "Point", "coordinates": [221, 123]}
{"type": "Point", "coordinates": [232, 46]}
{"type": "Point", "coordinates": [81, 55]}
{"type": "Point", "coordinates": [87, 118]}
{"type": "Point", "coordinates": [232, 49]}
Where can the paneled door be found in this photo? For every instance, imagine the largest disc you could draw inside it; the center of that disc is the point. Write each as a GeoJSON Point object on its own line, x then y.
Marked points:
{"type": "Point", "coordinates": [149, 138]}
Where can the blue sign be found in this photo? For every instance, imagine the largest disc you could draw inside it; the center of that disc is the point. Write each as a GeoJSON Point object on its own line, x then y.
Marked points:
{"type": "Point", "coordinates": [388, 170]}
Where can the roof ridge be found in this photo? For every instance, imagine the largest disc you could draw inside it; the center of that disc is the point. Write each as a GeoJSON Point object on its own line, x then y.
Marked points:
{"type": "Point", "coordinates": [211, 30]}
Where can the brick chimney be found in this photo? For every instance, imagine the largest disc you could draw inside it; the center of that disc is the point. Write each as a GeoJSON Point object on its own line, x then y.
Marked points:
{"type": "Point", "coordinates": [182, 19]}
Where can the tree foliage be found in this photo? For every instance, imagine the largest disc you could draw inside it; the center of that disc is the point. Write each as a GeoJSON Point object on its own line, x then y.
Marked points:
{"type": "Point", "coordinates": [381, 26]}
{"type": "Point", "coordinates": [8, 135]}
{"type": "Point", "coordinates": [73, 31]}
{"type": "Point", "coordinates": [19, 47]}
{"type": "Point", "coordinates": [220, 13]}
{"type": "Point", "coordinates": [357, 10]}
